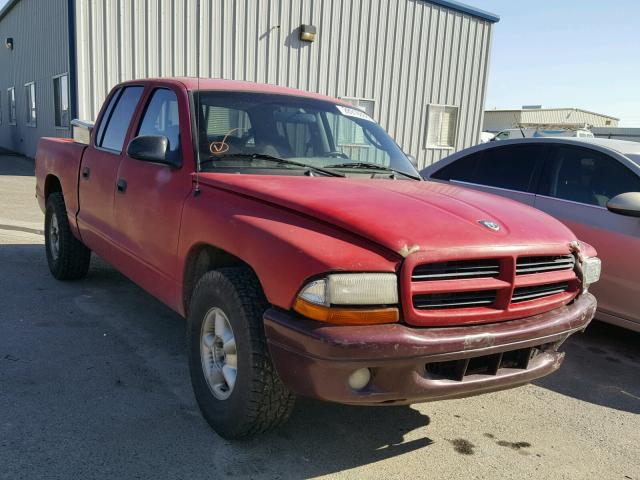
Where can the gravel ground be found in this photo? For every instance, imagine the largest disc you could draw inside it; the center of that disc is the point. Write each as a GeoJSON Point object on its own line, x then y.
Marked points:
{"type": "Point", "coordinates": [94, 384]}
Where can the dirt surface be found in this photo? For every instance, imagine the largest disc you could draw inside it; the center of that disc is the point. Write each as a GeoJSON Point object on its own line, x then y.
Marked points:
{"type": "Point", "coordinates": [94, 384]}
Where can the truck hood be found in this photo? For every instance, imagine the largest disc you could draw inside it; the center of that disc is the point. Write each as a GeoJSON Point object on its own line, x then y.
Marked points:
{"type": "Point", "coordinates": [404, 216]}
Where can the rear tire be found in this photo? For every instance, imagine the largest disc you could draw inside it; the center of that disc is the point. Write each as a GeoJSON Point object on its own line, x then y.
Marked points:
{"type": "Point", "coordinates": [67, 257]}
{"type": "Point", "coordinates": [235, 384]}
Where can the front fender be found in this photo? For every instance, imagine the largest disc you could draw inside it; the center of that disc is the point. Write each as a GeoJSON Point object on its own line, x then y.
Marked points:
{"type": "Point", "coordinates": [283, 247]}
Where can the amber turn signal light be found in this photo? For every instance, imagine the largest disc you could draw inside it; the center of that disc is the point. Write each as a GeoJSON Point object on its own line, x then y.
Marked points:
{"type": "Point", "coordinates": [346, 316]}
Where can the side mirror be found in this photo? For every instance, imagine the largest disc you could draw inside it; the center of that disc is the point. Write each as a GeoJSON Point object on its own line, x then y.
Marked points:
{"type": "Point", "coordinates": [151, 148]}
{"type": "Point", "coordinates": [625, 204]}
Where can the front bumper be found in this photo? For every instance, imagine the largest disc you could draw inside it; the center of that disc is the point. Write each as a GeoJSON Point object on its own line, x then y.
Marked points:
{"type": "Point", "coordinates": [412, 365]}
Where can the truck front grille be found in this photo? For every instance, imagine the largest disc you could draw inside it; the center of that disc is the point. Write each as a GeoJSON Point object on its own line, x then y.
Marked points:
{"type": "Point", "coordinates": [459, 291]}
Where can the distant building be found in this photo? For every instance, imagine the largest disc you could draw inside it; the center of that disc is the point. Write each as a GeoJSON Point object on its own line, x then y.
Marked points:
{"type": "Point", "coordinates": [535, 115]}
{"type": "Point", "coordinates": [419, 67]}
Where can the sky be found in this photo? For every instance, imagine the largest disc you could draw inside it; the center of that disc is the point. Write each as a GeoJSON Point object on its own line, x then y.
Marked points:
{"type": "Point", "coordinates": [566, 53]}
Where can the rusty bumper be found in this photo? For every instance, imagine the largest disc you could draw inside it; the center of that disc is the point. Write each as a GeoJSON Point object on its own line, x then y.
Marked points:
{"type": "Point", "coordinates": [412, 365]}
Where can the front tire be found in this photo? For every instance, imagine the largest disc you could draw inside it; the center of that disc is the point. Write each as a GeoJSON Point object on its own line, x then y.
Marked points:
{"type": "Point", "coordinates": [68, 257]}
{"type": "Point", "coordinates": [235, 384]}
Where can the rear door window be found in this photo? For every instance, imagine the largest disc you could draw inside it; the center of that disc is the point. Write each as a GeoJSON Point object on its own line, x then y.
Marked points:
{"type": "Point", "coordinates": [512, 167]}
{"type": "Point", "coordinates": [587, 176]}
{"type": "Point", "coordinates": [118, 119]}
{"type": "Point", "coordinates": [105, 116]}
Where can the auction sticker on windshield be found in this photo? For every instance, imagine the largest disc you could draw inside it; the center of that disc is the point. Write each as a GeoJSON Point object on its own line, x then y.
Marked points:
{"type": "Point", "coordinates": [354, 112]}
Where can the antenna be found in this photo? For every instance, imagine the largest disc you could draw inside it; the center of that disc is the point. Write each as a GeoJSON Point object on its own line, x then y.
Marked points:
{"type": "Point", "coordinates": [196, 191]}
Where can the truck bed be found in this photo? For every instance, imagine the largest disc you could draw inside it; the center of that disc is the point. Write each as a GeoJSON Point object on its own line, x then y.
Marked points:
{"type": "Point", "coordinates": [59, 159]}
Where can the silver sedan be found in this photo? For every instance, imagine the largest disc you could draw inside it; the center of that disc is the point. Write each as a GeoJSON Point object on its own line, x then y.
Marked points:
{"type": "Point", "coordinates": [592, 185]}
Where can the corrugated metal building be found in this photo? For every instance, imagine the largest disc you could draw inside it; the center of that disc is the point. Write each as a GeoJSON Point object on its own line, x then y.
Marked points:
{"type": "Point", "coordinates": [497, 120]}
{"type": "Point", "coordinates": [419, 67]}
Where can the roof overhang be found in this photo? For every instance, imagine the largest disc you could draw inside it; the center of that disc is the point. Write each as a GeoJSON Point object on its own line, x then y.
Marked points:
{"type": "Point", "coordinates": [451, 4]}
{"type": "Point", "coordinates": [10, 4]}
{"type": "Point", "coordinates": [464, 8]}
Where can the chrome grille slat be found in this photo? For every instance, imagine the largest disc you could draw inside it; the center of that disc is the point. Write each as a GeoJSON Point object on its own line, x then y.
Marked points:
{"type": "Point", "coordinates": [522, 294]}
{"type": "Point", "coordinates": [454, 300]}
{"type": "Point", "coordinates": [529, 265]}
{"type": "Point", "coordinates": [456, 269]}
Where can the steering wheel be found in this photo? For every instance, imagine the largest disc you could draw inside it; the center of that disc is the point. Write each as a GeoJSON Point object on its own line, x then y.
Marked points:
{"type": "Point", "coordinates": [336, 154]}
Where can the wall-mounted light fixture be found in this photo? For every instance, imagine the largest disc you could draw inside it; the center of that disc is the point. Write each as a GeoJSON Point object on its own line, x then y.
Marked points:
{"type": "Point", "coordinates": [9, 43]}
{"type": "Point", "coordinates": [307, 33]}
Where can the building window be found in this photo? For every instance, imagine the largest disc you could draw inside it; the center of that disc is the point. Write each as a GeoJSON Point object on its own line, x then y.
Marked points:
{"type": "Point", "coordinates": [30, 95]}
{"type": "Point", "coordinates": [349, 133]}
{"type": "Point", "coordinates": [442, 123]}
{"type": "Point", "coordinates": [11, 102]}
{"type": "Point", "coordinates": [61, 100]}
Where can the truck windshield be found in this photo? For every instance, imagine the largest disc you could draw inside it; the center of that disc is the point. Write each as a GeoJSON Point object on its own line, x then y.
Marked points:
{"type": "Point", "coordinates": [239, 130]}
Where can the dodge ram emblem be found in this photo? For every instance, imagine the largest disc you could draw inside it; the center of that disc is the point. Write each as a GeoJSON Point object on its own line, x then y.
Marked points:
{"type": "Point", "coordinates": [489, 224]}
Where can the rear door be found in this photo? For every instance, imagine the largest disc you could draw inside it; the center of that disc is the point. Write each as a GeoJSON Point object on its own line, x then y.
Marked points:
{"type": "Point", "coordinates": [508, 170]}
{"type": "Point", "coordinates": [99, 169]}
{"type": "Point", "coordinates": [150, 197]}
{"type": "Point", "coordinates": [575, 187]}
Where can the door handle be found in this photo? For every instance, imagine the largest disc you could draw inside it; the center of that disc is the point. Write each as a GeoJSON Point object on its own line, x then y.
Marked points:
{"type": "Point", "coordinates": [121, 185]}
{"type": "Point", "coordinates": [86, 171]}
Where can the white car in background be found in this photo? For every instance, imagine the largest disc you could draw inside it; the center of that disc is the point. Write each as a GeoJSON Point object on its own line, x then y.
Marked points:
{"type": "Point", "coordinates": [531, 132]}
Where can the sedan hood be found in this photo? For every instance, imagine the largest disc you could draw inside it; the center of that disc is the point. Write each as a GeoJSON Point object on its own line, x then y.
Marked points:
{"type": "Point", "coordinates": [404, 216]}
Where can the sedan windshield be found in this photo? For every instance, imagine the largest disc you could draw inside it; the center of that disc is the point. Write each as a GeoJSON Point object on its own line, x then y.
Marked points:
{"type": "Point", "coordinates": [283, 134]}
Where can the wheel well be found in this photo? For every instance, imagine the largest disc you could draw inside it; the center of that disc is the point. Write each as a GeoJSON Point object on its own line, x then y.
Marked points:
{"type": "Point", "coordinates": [51, 185]}
{"type": "Point", "coordinates": [200, 260]}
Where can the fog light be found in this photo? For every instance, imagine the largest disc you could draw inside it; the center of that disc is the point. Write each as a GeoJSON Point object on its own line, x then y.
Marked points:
{"type": "Point", "coordinates": [360, 378]}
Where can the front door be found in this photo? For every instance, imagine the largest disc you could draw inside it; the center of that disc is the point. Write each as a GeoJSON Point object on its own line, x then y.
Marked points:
{"type": "Point", "coordinates": [576, 186]}
{"type": "Point", "coordinates": [149, 201]}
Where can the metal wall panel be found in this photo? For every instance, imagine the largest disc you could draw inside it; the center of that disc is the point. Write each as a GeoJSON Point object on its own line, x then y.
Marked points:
{"type": "Point", "coordinates": [568, 115]}
{"type": "Point", "coordinates": [403, 54]}
{"type": "Point", "coordinates": [40, 33]}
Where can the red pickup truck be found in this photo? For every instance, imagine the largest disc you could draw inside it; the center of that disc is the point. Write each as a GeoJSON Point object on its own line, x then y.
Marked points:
{"type": "Point", "coordinates": [306, 253]}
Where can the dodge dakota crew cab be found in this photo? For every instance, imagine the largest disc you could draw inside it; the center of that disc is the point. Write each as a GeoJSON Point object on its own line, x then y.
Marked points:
{"type": "Point", "coordinates": [306, 253]}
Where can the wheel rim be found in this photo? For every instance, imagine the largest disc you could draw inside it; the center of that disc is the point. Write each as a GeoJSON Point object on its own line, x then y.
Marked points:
{"type": "Point", "coordinates": [218, 353]}
{"type": "Point", "coordinates": [54, 236]}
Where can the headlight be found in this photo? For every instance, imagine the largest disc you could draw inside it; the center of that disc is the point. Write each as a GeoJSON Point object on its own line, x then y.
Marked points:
{"type": "Point", "coordinates": [591, 267]}
{"type": "Point", "coordinates": [351, 298]}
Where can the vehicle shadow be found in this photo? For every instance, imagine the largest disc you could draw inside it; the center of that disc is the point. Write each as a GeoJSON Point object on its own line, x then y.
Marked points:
{"type": "Point", "coordinates": [118, 392]}
{"type": "Point", "coordinates": [16, 165]}
{"type": "Point", "coordinates": [601, 367]}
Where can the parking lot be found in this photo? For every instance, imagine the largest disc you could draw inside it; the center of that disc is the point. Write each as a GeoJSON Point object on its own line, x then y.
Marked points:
{"type": "Point", "coordinates": [94, 384]}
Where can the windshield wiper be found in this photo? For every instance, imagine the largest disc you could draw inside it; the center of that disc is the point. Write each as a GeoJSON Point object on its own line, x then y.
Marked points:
{"type": "Point", "coordinates": [272, 158]}
{"type": "Point", "coordinates": [371, 166]}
